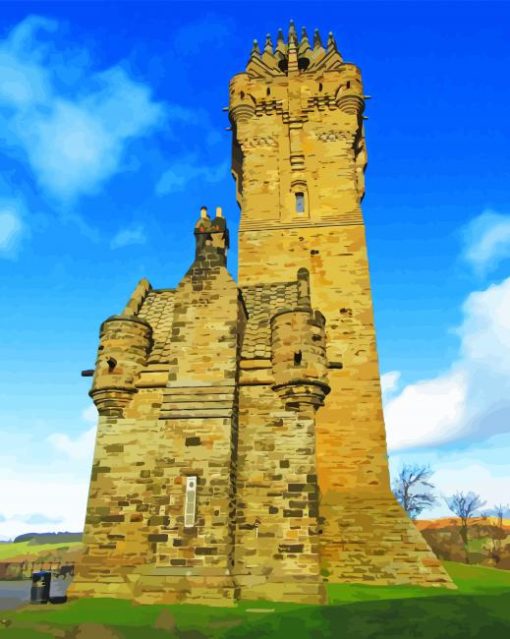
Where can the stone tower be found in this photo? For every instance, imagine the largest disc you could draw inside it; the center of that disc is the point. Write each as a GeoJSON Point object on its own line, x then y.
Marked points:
{"type": "Point", "coordinates": [241, 449]}
{"type": "Point", "coordinates": [299, 158]}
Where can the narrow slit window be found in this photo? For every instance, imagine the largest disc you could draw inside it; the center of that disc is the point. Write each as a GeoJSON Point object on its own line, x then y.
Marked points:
{"type": "Point", "coordinates": [300, 202]}
{"type": "Point", "coordinates": [190, 503]}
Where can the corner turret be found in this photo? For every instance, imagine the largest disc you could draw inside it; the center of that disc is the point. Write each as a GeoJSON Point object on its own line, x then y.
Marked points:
{"type": "Point", "coordinates": [298, 344]}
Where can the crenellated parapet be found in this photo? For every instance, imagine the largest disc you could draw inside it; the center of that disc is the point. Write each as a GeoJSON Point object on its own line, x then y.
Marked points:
{"type": "Point", "coordinates": [124, 345]}
{"type": "Point", "coordinates": [326, 79]}
{"type": "Point", "coordinates": [298, 345]}
{"type": "Point", "coordinates": [295, 55]}
{"type": "Point", "coordinates": [295, 97]}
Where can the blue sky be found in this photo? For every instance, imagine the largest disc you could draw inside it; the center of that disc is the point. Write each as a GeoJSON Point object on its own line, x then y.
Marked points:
{"type": "Point", "coordinates": [112, 136]}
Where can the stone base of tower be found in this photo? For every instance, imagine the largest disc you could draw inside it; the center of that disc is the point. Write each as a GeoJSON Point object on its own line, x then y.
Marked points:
{"type": "Point", "coordinates": [296, 589]}
{"type": "Point", "coordinates": [211, 590]}
{"type": "Point", "coordinates": [369, 539]}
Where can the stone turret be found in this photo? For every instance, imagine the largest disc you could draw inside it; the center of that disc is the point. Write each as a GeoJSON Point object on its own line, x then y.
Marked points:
{"type": "Point", "coordinates": [124, 345]}
{"type": "Point", "coordinates": [299, 351]}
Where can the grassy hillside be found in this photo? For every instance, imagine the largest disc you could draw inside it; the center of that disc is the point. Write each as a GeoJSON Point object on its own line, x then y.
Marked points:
{"type": "Point", "coordinates": [477, 610]}
{"type": "Point", "coordinates": [488, 540]}
{"type": "Point", "coordinates": [29, 551]}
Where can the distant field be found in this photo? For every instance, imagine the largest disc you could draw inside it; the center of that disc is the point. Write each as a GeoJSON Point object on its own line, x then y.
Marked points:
{"type": "Point", "coordinates": [479, 609]}
{"type": "Point", "coordinates": [444, 522]}
{"type": "Point", "coordinates": [27, 551]}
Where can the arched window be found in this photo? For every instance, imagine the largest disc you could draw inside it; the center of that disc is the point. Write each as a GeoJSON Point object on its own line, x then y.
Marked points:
{"type": "Point", "coordinates": [300, 202]}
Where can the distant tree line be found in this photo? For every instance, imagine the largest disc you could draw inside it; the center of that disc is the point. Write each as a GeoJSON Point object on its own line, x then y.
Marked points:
{"type": "Point", "coordinates": [415, 492]}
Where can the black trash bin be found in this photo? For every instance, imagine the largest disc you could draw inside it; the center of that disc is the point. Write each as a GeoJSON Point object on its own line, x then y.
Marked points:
{"type": "Point", "coordinates": [40, 591]}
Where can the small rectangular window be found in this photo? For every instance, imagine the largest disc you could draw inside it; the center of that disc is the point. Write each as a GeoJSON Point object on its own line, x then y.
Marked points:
{"type": "Point", "coordinates": [190, 503]}
{"type": "Point", "coordinates": [300, 202]}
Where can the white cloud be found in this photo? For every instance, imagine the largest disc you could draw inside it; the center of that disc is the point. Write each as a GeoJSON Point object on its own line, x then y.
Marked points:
{"type": "Point", "coordinates": [45, 479]}
{"type": "Point", "coordinates": [390, 381]}
{"type": "Point", "coordinates": [89, 414]}
{"type": "Point", "coordinates": [11, 228]}
{"type": "Point", "coordinates": [73, 143]}
{"type": "Point", "coordinates": [38, 518]}
{"type": "Point", "coordinates": [472, 400]}
{"type": "Point", "coordinates": [181, 173]}
{"type": "Point", "coordinates": [80, 448]}
{"type": "Point", "coordinates": [482, 468]}
{"type": "Point", "coordinates": [487, 241]}
{"type": "Point", "coordinates": [128, 237]}
{"type": "Point", "coordinates": [62, 499]}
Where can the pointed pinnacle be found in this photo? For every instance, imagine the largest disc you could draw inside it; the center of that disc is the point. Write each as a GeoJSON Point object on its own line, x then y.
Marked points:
{"type": "Point", "coordinates": [281, 47]}
{"type": "Point", "coordinates": [255, 49]}
{"type": "Point", "coordinates": [331, 41]}
{"type": "Point", "coordinates": [269, 44]}
{"type": "Point", "coordinates": [317, 42]}
{"type": "Point", "coordinates": [292, 33]}
{"type": "Point", "coordinates": [304, 35]}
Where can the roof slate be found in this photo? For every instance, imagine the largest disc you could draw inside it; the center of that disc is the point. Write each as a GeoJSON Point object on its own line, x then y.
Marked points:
{"type": "Point", "coordinates": [262, 301]}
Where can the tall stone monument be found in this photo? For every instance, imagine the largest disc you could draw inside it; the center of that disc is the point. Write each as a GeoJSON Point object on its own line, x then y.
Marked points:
{"type": "Point", "coordinates": [241, 448]}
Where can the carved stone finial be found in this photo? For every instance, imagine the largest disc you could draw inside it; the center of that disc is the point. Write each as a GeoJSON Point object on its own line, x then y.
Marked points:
{"type": "Point", "coordinates": [317, 42]}
{"type": "Point", "coordinates": [268, 46]}
{"type": "Point", "coordinates": [255, 51]}
{"type": "Point", "coordinates": [331, 41]}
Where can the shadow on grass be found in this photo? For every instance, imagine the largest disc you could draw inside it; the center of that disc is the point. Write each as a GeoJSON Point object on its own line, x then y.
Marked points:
{"type": "Point", "coordinates": [453, 617]}
{"type": "Point", "coordinates": [480, 609]}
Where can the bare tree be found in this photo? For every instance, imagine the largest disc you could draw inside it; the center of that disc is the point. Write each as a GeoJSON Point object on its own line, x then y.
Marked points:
{"type": "Point", "coordinates": [501, 510]}
{"type": "Point", "coordinates": [413, 489]}
{"type": "Point", "coordinates": [465, 505]}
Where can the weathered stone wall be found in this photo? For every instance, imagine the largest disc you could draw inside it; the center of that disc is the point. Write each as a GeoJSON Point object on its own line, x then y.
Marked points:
{"type": "Point", "coordinates": [277, 549]}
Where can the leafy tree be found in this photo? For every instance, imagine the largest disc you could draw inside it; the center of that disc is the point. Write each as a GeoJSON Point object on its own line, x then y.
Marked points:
{"type": "Point", "coordinates": [465, 505]}
{"type": "Point", "coordinates": [413, 489]}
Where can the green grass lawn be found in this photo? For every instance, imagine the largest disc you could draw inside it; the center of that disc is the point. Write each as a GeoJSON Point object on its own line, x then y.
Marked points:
{"type": "Point", "coordinates": [480, 608]}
